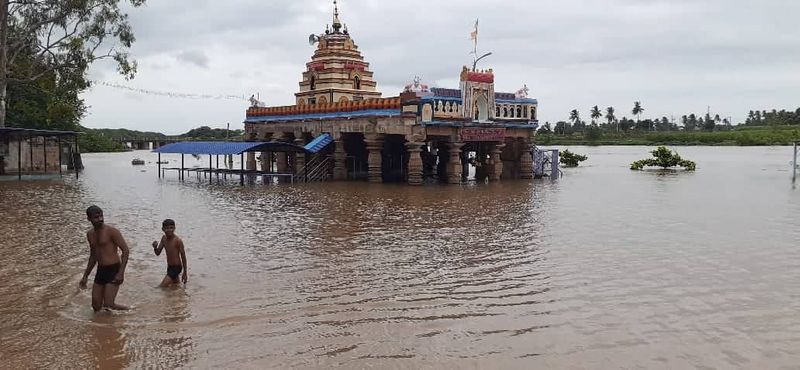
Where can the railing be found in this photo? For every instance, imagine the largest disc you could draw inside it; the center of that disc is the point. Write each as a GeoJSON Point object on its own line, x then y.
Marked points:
{"type": "Point", "coordinates": [152, 139]}
{"type": "Point", "coordinates": [317, 169]}
{"type": "Point", "coordinates": [544, 158]}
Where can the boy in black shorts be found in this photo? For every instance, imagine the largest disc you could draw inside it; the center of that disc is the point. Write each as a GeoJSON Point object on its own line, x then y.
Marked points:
{"type": "Point", "coordinates": [176, 255]}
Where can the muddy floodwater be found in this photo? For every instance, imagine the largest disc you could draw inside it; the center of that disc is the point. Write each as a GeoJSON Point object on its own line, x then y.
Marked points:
{"type": "Point", "coordinates": [603, 268]}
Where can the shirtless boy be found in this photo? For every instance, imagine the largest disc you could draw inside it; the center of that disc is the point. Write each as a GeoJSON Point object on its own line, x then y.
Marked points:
{"type": "Point", "coordinates": [103, 243]}
{"type": "Point", "coordinates": [176, 255]}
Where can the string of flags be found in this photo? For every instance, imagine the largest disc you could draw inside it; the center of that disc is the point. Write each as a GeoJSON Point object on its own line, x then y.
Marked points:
{"type": "Point", "coordinates": [170, 93]}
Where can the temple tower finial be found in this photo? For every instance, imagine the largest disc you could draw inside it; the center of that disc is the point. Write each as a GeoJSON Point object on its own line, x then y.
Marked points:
{"type": "Point", "coordinates": [337, 25]}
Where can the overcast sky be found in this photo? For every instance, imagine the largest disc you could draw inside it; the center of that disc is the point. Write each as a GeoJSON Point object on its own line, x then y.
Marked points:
{"type": "Point", "coordinates": [676, 56]}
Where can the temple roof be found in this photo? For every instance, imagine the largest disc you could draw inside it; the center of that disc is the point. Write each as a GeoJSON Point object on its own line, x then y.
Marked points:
{"type": "Point", "coordinates": [326, 115]}
{"type": "Point", "coordinates": [439, 92]}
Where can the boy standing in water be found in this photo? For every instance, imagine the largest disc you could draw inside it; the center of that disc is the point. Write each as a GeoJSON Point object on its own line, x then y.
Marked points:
{"type": "Point", "coordinates": [176, 255]}
{"type": "Point", "coordinates": [103, 243]}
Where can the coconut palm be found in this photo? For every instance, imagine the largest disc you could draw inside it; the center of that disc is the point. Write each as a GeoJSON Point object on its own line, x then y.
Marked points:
{"type": "Point", "coordinates": [610, 116]}
{"type": "Point", "coordinates": [595, 114]}
{"type": "Point", "coordinates": [637, 110]}
{"type": "Point", "coordinates": [575, 117]}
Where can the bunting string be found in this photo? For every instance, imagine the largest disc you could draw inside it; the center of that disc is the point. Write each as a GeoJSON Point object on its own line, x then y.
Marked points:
{"type": "Point", "coordinates": [171, 94]}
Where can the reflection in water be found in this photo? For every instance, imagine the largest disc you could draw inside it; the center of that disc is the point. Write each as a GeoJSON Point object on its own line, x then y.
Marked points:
{"type": "Point", "coordinates": [107, 343]}
{"type": "Point", "coordinates": [604, 268]}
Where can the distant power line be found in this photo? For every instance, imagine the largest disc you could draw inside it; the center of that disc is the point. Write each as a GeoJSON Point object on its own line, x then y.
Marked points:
{"type": "Point", "coordinates": [171, 94]}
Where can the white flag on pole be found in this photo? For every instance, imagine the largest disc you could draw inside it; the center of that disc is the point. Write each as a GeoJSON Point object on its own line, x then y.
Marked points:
{"type": "Point", "coordinates": [474, 34]}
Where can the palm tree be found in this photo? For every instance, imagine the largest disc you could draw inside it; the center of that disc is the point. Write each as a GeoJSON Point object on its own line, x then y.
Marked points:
{"type": "Point", "coordinates": [637, 110]}
{"type": "Point", "coordinates": [574, 116]}
{"type": "Point", "coordinates": [595, 114]}
{"type": "Point", "coordinates": [610, 116]}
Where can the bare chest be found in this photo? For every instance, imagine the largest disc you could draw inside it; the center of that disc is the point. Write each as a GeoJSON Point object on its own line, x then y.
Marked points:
{"type": "Point", "coordinates": [101, 240]}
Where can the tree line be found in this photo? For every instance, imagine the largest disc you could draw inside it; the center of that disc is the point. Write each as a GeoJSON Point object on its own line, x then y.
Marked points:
{"type": "Point", "coordinates": [773, 118]}
{"type": "Point", "coordinates": [607, 121]}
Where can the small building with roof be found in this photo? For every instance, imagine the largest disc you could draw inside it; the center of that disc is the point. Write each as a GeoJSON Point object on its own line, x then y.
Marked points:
{"type": "Point", "coordinates": [423, 133]}
{"type": "Point", "coordinates": [37, 154]}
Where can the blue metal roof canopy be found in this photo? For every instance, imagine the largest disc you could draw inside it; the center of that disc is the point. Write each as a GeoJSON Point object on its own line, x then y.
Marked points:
{"type": "Point", "coordinates": [228, 147]}
{"type": "Point", "coordinates": [318, 143]}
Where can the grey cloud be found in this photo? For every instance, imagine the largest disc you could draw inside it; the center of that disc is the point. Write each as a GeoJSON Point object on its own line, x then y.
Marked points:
{"type": "Point", "coordinates": [195, 57]}
{"type": "Point", "coordinates": [677, 56]}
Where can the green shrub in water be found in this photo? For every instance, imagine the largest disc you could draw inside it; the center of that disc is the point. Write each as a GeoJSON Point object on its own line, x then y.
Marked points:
{"type": "Point", "coordinates": [570, 159]}
{"type": "Point", "coordinates": [664, 158]}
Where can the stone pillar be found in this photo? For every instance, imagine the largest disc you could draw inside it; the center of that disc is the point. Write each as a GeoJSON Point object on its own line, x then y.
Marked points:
{"type": "Point", "coordinates": [266, 161]}
{"type": "Point", "coordinates": [281, 161]}
{"type": "Point", "coordinates": [464, 166]}
{"type": "Point", "coordinates": [300, 157]}
{"type": "Point", "coordinates": [454, 164]}
{"type": "Point", "coordinates": [526, 161]}
{"type": "Point", "coordinates": [251, 161]}
{"type": "Point", "coordinates": [441, 164]}
{"type": "Point", "coordinates": [250, 164]}
{"type": "Point", "coordinates": [374, 143]}
{"type": "Point", "coordinates": [339, 158]}
{"type": "Point", "coordinates": [266, 157]}
{"type": "Point", "coordinates": [495, 163]}
{"type": "Point", "coordinates": [414, 162]}
{"type": "Point", "coordinates": [281, 158]}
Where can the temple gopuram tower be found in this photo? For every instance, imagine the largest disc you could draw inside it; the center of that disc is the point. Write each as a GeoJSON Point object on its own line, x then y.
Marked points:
{"type": "Point", "coordinates": [337, 72]}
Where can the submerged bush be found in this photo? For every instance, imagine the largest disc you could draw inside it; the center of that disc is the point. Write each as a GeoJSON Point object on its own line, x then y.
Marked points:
{"type": "Point", "coordinates": [570, 159]}
{"type": "Point", "coordinates": [664, 158]}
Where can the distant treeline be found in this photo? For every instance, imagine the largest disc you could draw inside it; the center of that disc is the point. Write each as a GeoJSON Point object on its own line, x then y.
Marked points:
{"type": "Point", "coordinates": [773, 118]}
{"type": "Point", "coordinates": [206, 133]}
{"type": "Point", "coordinates": [739, 135]}
{"type": "Point", "coordinates": [109, 140]}
{"type": "Point", "coordinates": [202, 132]}
{"type": "Point", "coordinates": [760, 128]}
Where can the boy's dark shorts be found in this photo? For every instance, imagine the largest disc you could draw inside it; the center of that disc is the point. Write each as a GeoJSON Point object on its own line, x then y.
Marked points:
{"type": "Point", "coordinates": [174, 271]}
{"type": "Point", "coordinates": [106, 274]}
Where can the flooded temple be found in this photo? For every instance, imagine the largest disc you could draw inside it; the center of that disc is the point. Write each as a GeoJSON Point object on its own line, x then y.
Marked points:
{"type": "Point", "coordinates": [423, 134]}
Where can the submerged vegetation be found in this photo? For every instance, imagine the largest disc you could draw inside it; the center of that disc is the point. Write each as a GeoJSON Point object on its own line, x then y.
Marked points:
{"type": "Point", "coordinates": [570, 159]}
{"type": "Point", "coordinates": [664, 158]}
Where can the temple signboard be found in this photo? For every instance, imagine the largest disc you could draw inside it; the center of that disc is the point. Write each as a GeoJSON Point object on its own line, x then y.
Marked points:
{"type": "Point", "coordinates": [483, 134]}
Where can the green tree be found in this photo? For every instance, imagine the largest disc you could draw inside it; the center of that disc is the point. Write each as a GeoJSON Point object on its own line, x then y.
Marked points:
{"type": "Point", "coordinates": [575, 117]}
{"type": "Point", "coordinates": [208, 133]}
{"type": "Point", "coordinates": [664, 124]}
{"type": "Point", "coordinates": [637, 110]}
{"type": "Point", "coordinates": [709, 123]}
{"type": "Point", "coordinates": [94, 141]}
{"type": "Point", "coordinates": [594, 133]}
{"type": "Point", "coordinates": [50, 102]}
{"type": "Point", "coordinates": [570, 159]}
{"type": "Point", "coordinates": [561, 127]}
{"type": "Point", "coordinates": [595, 114]}
{"type": "Point", "coordinates": [664, 158]}
{"type": "Point", "coordinates": [63, 37]}
{"type": "Point", "coordinates": [545, 129]}
{"type": "Point", "coordinates": [610, 116]}
{"type": "Point", "coordinates": [692, 122]}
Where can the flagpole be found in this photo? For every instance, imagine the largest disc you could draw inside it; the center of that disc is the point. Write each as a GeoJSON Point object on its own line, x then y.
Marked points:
{"type": "Point", "coordinates": [475, 46]}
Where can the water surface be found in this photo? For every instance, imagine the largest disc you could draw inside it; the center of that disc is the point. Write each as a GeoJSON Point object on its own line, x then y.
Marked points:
{"type": "Point", "coordinates": [603, 268]}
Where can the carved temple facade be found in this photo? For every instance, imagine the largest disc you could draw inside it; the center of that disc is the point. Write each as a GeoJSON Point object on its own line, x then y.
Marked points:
{"type": "Point", "coordinates": [424, 134]}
